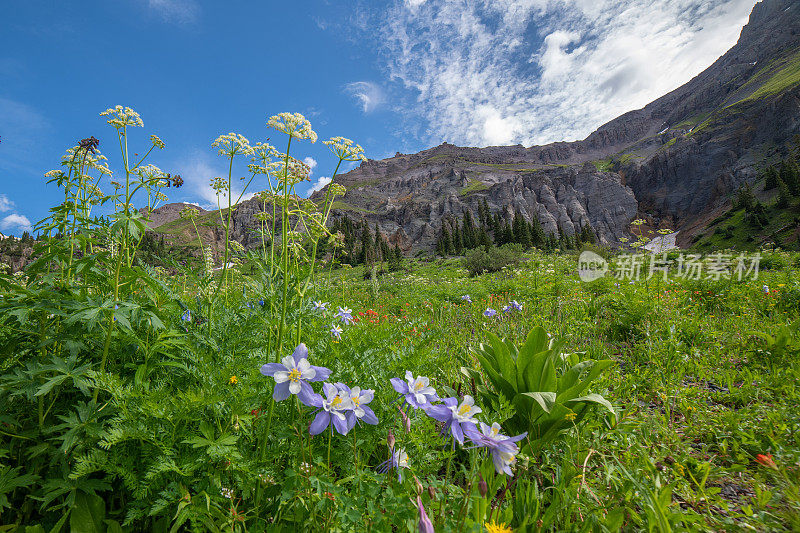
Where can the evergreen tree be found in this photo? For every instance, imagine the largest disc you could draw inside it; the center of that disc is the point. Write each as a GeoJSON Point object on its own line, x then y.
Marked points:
{"type": "Point", "coordinates": [483, 238]}
{"type": "Point", "coordinates": [508, 234]}
{"type": "Point", "coordinates": [784, 194]}
{"type": "Point", "coordinates": [522, 234]}
{"type": "Point", "coordinates": [447, 242]}
{"type": "Point", "coordinates": [770, 178]}
{"type": "Point", "coordinates": [537, 232]}
{"type": "Point", "coordinates": [468, 232]}
{"type": "Point", "coordinates": [458, 243]}
{"type": "Point", "coordinates": [790, 175]}
{"type": "Point", "coordinates": [367, 246]}
{"type": "Point", "coordinates": [745, 199]}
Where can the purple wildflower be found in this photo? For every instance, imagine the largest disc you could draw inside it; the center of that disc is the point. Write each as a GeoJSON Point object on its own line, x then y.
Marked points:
{"type": "Point", "coordinates": [466, 298]}
{"type": "Point", "coordinates": [292, 375]}
{"type": "Point", "coordinates": [359, 410]}
{"type": "Point", "coordinates": [336, 332]}
{"type": "Point", "coordinates": [319, 305]}
{"type": "Point", "coordinates": [516, 305]}
{"type": "Point", "coordinates": [398, 459]}
{"type": "Point", "coordinates": [458, 419]}
{"type": "Point", "coordinates": [417, 391]}
{"type": "Point", "coordinates": [425, 525]}
{"type": "Point", "coordinates": [503, 448]}
{"type": "Point", "coordinates": [187, 316]}
{"type": "Point", "coordinates": [333, 408]}
{"type": "Point", "coordinates": [489, 312]}
{"type": "Point", "coordinates": [345, 315]}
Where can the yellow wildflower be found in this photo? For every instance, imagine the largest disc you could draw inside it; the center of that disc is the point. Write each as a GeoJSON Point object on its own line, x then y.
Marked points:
{"type": "Point", "coordinates": [494, 527]}
{"type": "Point", "coordinates": [233, 381]}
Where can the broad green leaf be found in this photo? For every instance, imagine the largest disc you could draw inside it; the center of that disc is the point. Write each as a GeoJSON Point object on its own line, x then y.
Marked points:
{"type": "Point", "coordinates": [595, 398]}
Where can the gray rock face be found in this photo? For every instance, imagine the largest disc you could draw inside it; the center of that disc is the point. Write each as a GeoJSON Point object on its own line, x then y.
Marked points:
{"type": "Point", "coordinates": [676, 158]}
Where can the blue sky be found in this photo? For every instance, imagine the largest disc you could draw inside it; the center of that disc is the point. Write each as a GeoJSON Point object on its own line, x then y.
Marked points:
{"type": "Point", "coordinates": [393, 75]}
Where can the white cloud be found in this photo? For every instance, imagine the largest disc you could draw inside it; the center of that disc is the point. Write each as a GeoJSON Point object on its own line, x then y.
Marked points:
{"type": "Point", "coordinates": [16, 223]}
{"type": "Point", "coordinates": [5, 203]}
{"type": "Point", "coordinates": [319, 185]}
{"type": "Point", "coordinates": [536, 71]}
{"type": "Point", "coordinates": [368, 94]}
{"type": "Point", "coordinates": [178, 11]}
{"type": "Point", "coordinates": [197, 172]}
{"type": "Point", "coordinates": [311, 162]}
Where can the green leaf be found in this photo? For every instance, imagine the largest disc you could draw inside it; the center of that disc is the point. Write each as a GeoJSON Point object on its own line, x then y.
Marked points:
{"type": "Point", "coordinates": [87, 514]}
{"type": "Point", "coordinates": [595, 398]}
{"type": "Point", "coordinates": [545, 399]}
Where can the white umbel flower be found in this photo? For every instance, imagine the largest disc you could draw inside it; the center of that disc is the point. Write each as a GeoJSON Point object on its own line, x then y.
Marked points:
{"type": "Point", "coordinates": [122, 117]}
{"type": "Point", "coordinates": [294, 125]}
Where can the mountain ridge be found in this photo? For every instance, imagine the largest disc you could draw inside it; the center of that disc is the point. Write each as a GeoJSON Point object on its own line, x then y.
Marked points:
{"type": "Point", "coordinates": [674, 159]}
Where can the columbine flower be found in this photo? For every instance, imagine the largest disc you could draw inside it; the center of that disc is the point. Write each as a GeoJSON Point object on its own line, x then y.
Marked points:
{"type": "Point", "coordinates": [397, 459]}
{"type": "Point", "coordinates": [186, 316]}
{"type": "Point", "coordinates": [345, 315]}
{"type": "Point", "coordinates": [489, 312]}
{"type": "Point", "coordinates": [516, 305]}
{"type": "Point", "coordinates": [425, 525]}
{"type": "Point", "coordinates": [454, 415]}
{"type": "Point", "coordinates": [417, 391]}
{"type": "Point", "coordinates": [292, 375]}
{"type": "Point", "coordinates": [336, 332]}
{"type": "Point", "coordinates": [360, 410]}
{"type": "Point", "coordinates": [319, 305]}
{"type": "Point", "coordinates": [334, 406]}
{"type": "Point", "coordinates": [502, 447]}
{"type": "Point", "coordinates": [765, 288]}
{"type": "Point", "coordinates": [466, 298]}
{"type": "Point", "coordinates": [294, 125]}
{"type": "Point", "coordinates": [507, 309]}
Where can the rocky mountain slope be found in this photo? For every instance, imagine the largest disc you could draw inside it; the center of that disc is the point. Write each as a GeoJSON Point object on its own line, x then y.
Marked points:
{"type": "Point", "coordinates": [677, 158]}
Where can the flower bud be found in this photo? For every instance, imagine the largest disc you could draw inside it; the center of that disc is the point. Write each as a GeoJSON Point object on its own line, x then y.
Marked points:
{"type": "Point", "coordinates": [431, 492]}
{"type": "Point", "coordinates": [483, 488]}
{"type": "Point", "coordinates": [390, 440]}
{"type": "Point", "coordinates": [418, 485]}
{"type": "Point", "coordinates": [406, 420]}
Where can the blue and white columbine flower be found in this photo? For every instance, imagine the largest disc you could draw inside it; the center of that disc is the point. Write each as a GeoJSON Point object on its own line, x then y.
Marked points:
{"type": "Point", "coordinates": [360, 410]}
{"type": "Point", "coordinates": [765, 288]}
{"type": "Point", "coordinates": [333, 406]}
{"type": "Point", "coordinates": [507, 309]}
{"type": "Point", "coordinates": [489, 312]}
{"type": "Point", "coordinates": [186, 316]}
{"type": "Point", "coordinates": [466, 298]}
{"type": "Point", "coordinates": [336, 332]}
{"type": "Point", "coordinates": [503, 448]}
{"type": "Point", "coordinates": [292, 375]}
{"type": "Point", "coordinates": [345, 315]}
{"type": "Point", "coordinates": [319, 305]}
{"type": "Point", "coordinates": [457, 418]}
{"type": "Point", "coordinates": [516, 305]}
{"type": "Point", "coordinates": [416, 391]}
{"type": "Point", "coordinates": [398, 460]}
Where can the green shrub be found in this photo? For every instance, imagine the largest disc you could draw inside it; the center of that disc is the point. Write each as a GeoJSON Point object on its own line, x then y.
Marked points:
{"type": "Point", "coordinates": [479, 261]}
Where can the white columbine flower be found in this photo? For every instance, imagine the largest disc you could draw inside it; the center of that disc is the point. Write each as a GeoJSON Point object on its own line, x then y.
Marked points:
{"type": "Point", "coordinates": [466, 411]}
{"type": "Point", "coordinates": [419, 387]}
